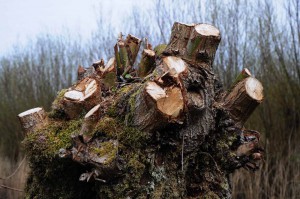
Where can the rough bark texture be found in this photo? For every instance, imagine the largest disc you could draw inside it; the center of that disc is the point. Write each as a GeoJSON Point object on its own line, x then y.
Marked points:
{"type": "Point", "coordinates": [33, 119]}
{"type": "Point", "coordinates": [170, 133]}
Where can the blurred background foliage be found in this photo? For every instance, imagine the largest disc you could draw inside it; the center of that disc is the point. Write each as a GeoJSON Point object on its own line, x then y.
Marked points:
{"type": "Point", "coordinates": [261, 35]}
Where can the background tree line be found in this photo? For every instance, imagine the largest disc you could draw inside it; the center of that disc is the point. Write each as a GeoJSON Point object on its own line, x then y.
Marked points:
{"type": "Point", "coordinates": [263, 36]}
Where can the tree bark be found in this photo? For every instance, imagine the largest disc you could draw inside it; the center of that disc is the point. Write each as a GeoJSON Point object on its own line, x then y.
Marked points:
{"type": "Point", "coordinates": [243, 99]}
{"type": "Point", "coordinates": [33, 119]}
{"type": "Point", "coordinates": [147, 63]}
{"type": "Point", "coordinates": [169, 133]}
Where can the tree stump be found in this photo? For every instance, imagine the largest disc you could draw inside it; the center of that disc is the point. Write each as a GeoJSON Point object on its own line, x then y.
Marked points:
{"type": "Point", "coordinates": [165, 130]}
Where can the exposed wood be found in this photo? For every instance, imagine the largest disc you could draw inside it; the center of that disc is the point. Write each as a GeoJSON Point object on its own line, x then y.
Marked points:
{"type": "Point", "coordinates": [174, 66]}
{"type": "Point", "coordinates": [243, 74]}
{"type": "Point", "coordinates": [155, 91]}
{"type": "Point", "coordinates": [243, 99]}
{"type": "Point", "coordinates": [98, 65]}
{"type": "Point", "coordinates": [33, 119]}
{"type": "Point", "coordinates": [82, 96]}
{"type": "Point", "coordinates": [90, 120]}
{"type": "Point", "coordinates": [169, 101]}
{"type": "Point", "coordinates": [172, 104]}
{"type": "Point", "coordinates": [171, 71]}
{"type": "Point", "coordinates": [110, 66]}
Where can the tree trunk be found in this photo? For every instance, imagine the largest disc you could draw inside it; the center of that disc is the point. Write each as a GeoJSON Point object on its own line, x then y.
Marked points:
{"type": "Point", "coordinates": [170, 132]}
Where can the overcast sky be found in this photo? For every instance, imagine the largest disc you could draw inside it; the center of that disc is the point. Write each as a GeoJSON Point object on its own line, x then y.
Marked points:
{"type": "Point", "coordinates": [21, 20]}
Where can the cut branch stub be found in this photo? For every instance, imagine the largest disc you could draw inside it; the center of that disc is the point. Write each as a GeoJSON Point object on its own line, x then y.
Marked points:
{"type": "Point", "coordinates": [172, 67]}
{"type": "Point", "coordinates": [82, 96]}
{"type": "Point", "coordinates": [196, 43]}
{"type": "Point", "coordinates": [33, 119]}
{"type": "Point", "coordinates": [98, 65]}
{"type": "Point", "coordinates": [90, 120]}
{"type": "Point", "coordinates": [179, 38]}
{"type": "Point", "coordinates": [108, 73]}
{"type": "Point", "coordinates": [80, 72]}
{"type": "Point", "coordinates": [203, 43]}
{"type": "Point", "coordinates": [126, 52]}
{"type": "Point", "coordinates": [147, 63]}
{"type": "Point", "coordinates": [243, 74]}
{"type": "Point", "coordinates": [169, 101]}
{"type": "Point", "coordinates": [243, 99]}
{"type": "Point", "coordinates": [133, 45]}
{"type": "Point", "coordinates": [110, 66]}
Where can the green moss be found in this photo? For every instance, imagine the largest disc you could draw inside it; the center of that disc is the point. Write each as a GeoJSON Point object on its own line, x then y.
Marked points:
{"type": "Point", "coordinates": [50, 176]}
{"type": "Point", "coordinates": [125, 89]}
{"type": "Point", "coordinates": [110, 80]}
{"type": "Point", "coordinates": [57, 109]}
{"type": "Point", "coordinates": [49, 140]}
{"type": "Point", "coordinates": [159, 49]}
{"type": "Point", "coordinates": [120, 95]}
{"type": "Point", "coordinates": [222, 145]}
{"type": "Point", "coordinates": [107, 126]}
{"type": "Point", "coordinates": [131, 102]}
{"type": "Point", "coordinates": [107, 149]}
{"type": "Point", "coordinates": [211, 195]}
{"type": "Point", "coordinates": [112, 128]}
{"type": "Point", "coordinates": [134, 163]}
{"type": "Point", "coordinates": [133, 137]}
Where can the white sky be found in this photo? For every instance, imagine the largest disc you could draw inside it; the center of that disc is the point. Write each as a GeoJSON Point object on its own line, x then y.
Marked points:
{"type": "Point", "coordinates": [21, 20]}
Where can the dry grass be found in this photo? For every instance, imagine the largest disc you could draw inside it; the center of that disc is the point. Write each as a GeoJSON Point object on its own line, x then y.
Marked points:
{"type": "Point", "coordinates": [16, 181]}
{"type": "Point", "coordinates": [279, 177]}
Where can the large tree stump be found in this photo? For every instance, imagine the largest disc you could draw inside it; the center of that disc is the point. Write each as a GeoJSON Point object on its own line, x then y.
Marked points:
{"type": "Point", "coordinates": [164, 130]}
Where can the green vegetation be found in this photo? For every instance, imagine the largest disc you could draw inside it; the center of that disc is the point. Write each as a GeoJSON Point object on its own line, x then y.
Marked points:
{"type": "Point", "coordinates": [54, 137]}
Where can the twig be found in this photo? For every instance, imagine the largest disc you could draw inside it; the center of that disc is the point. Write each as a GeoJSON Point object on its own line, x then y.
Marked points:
{"type": "Point", "coordinates": [182, 152]}
{"type": "Point", "coordinates": [11, 188]}
{"type": "Point", "coordinates": [11, 175]}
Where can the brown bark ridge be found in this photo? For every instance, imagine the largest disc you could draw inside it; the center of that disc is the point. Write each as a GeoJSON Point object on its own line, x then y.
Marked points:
{"type": "Point", "coordinates": [164, 130]}
{"type": "Point", "coordinates": [243, 99]}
